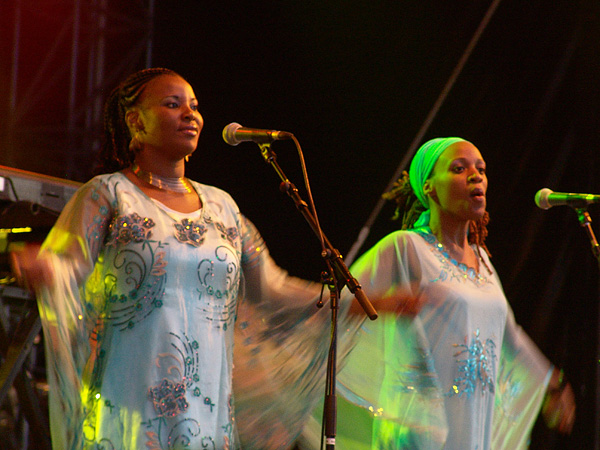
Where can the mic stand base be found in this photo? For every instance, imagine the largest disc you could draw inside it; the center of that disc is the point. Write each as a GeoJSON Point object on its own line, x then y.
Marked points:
{"type": "Point", "coordinates": [330, 405]}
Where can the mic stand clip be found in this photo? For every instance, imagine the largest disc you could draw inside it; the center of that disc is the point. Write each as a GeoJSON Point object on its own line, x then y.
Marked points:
{"type": "Point", "coordinates": [585, 221]}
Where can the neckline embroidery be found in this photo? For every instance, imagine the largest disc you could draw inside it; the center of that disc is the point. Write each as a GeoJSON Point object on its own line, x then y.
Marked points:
{"type": "Point", "coordinates": [466, 272]}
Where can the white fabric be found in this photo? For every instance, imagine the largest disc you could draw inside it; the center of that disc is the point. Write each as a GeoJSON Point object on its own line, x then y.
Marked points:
{"type": "Point", "coordinates": [139, 322]}
{"type": "Point", "coordinates": [461, 375]}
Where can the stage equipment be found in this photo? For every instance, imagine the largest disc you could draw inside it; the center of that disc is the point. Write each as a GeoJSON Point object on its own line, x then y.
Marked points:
{"type": "Point", "coordinates": [547, 198]}
{"type": "Point", "coordinates": [29, 206]}
{"type": "Point", "coordinates": [41, 191]}
{"type": "Point", "coordinates": [234, 133]}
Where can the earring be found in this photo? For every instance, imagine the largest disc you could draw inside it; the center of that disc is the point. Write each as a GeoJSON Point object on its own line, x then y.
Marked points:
{"type": "Point", "coordinates": [135, 145]}
{"type": "Point", "coordinates": [187, 158]}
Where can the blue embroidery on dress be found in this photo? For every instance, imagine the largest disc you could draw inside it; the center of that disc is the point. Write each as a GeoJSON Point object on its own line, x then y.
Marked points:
{"type": "Point", "coordinates": [147, 286]}
{"type": "Point", "coordinates": [133, 292]}
{"type": "Point", "coordinates": [181, 435]}
{"type": "Point", "coordinates": [189, 232]}
{"type": "Point", "coordinates": [451, 268]}
{"type": "Point", "coordinates": [188, 354]}
{"type": "Point", "coordinates": [219, 279]}
{"type": "Point", "coordinates": [168, 398]}
{"type": "Point", "coordinates": [182, 366]}
{"type": "Point", "coordinates": [126, 229]}
{"type": "Point", "coordinates": [476, 367]}
{"type": "Point", "coordinates": [230, 234]}
{"type": "Point", "coordinates": [132, 233]}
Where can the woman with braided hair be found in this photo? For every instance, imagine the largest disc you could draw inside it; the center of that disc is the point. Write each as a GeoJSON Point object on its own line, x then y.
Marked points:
{"type": "Point", "coordinates": [139, 284]}
{"type": "Point", "coordinates": [455, 372]}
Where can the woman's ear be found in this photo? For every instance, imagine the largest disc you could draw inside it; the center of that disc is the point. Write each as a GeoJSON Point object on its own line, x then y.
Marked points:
{"type": "Point", "coordinates": [132, 118]}
{"type": "Point", "coordinates": [428, 188]}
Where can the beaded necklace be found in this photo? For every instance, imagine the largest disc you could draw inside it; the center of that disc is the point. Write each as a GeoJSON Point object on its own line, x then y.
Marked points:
{"type": "Point", "coordinates": [174, 184]}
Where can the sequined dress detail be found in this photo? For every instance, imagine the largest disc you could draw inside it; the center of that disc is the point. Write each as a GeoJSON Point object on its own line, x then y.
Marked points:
{"type": "Point", "coordinates": [460, 375]}
{"type": "Point", "coordinates": [139, 326]}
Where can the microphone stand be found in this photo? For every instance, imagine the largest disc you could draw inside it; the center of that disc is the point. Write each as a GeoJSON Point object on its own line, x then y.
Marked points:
{"type": "Point", "coordinates": [329, 422]}
{"type": "Point", "coordinates": [338, 277]}
{"type": "Point", "coordinates": [585, 221]}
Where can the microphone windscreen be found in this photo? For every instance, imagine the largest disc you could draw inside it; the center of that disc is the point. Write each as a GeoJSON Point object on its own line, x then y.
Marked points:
{"type": "Point", "coordinates": [229, 133]}
{"type": "Point", "coordinates": [541, 198]}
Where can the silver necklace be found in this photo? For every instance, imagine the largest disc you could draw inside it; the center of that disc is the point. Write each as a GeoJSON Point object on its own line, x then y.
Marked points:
{"type": "Point", "coordinates": [174, 184]}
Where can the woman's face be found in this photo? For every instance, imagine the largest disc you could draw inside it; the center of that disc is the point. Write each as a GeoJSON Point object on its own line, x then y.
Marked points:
{"type": "Point", "coordinates": [167, 115]}
{"type": "Point", "coordinates": [458, 183]}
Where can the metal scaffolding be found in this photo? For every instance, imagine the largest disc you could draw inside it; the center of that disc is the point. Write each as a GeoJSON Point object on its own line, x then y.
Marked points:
{"type": "Point", "coordinates": [65, 57]}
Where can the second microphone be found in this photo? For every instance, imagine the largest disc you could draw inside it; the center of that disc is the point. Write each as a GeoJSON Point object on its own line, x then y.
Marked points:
{"type": "Point", "coordinates": [234, 133]}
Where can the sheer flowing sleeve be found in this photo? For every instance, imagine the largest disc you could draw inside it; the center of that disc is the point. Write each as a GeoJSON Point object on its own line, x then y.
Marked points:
{"type": "Point", "coordinates": [68, 313]}
{"type": "Point", "coordinates": [281, 345]}
{"type": "Point", "coordinates": [522, 381]}
{"type": "Point", "coordinates": [388, 388]}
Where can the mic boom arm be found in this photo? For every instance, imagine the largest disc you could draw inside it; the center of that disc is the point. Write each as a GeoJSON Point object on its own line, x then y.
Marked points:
{"type": "Point", "coordinates": [342, 277]}
{"type": "Point", "coordinates": [329, 252]}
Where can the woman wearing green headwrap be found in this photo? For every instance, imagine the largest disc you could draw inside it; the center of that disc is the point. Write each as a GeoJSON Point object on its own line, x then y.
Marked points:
{"type": "Point", "coordinates": [458, 373]}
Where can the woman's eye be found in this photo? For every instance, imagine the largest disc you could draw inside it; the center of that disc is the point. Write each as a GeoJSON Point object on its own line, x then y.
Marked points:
{"type": "Point", "coordinates": [194, 107]}
{"type": "Point", "coordinates": [458, 169]}
{"type": "Point", "coordinates": [481, 170]}
{"type": "Point", "coordinates": [172, 105]}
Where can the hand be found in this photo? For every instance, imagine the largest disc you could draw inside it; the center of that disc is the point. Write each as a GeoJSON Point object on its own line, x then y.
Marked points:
{"type": "Point", "coordinates": [30, 271]}
{"type": "Point", "coordinates": [558, 408]}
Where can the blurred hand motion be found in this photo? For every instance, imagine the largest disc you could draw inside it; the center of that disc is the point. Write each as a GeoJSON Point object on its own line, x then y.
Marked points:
{"type": "Point", "coordinates": [30, 271]}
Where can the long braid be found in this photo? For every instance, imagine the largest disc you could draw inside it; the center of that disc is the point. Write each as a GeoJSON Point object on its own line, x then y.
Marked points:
{"type": "Point", "coordinates": [411, 208]}
{"type": "Point", "coordinates": [406, 202]}
{"type": "Point", "coordinates": [477, 233]}
{"type": "Point", "coordinates": [115, 153]}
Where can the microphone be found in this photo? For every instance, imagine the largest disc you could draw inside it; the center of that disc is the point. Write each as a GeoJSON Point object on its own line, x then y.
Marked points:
{"type": "Point", "coordinates": [234, 133]}
{"type": "Point", "coordinates": [546, 199]}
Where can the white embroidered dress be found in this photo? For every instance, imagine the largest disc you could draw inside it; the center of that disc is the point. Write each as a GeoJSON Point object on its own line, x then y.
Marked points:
{"type": "Point", "coordinates": [139, 323]}
{"type": "Point", "coordinates": [461, 375]}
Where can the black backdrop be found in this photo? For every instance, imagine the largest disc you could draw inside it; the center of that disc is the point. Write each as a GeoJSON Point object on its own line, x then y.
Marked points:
{"type": "Point", "coordinates": [354, 81]}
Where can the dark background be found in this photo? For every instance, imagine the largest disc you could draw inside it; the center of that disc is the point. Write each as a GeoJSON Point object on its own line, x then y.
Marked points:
{"type": "Point", "coordinates": [356, 83]}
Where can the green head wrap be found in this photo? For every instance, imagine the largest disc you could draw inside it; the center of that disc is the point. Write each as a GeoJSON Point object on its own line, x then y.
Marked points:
{"type": "Point", "coordinates": [421, 168]}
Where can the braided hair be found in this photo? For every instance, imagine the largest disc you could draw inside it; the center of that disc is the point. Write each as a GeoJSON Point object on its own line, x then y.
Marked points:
{"type": "Point", "coordinates": [115, 153]}
{"type": "Point", "coordinates": [411, 208]}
